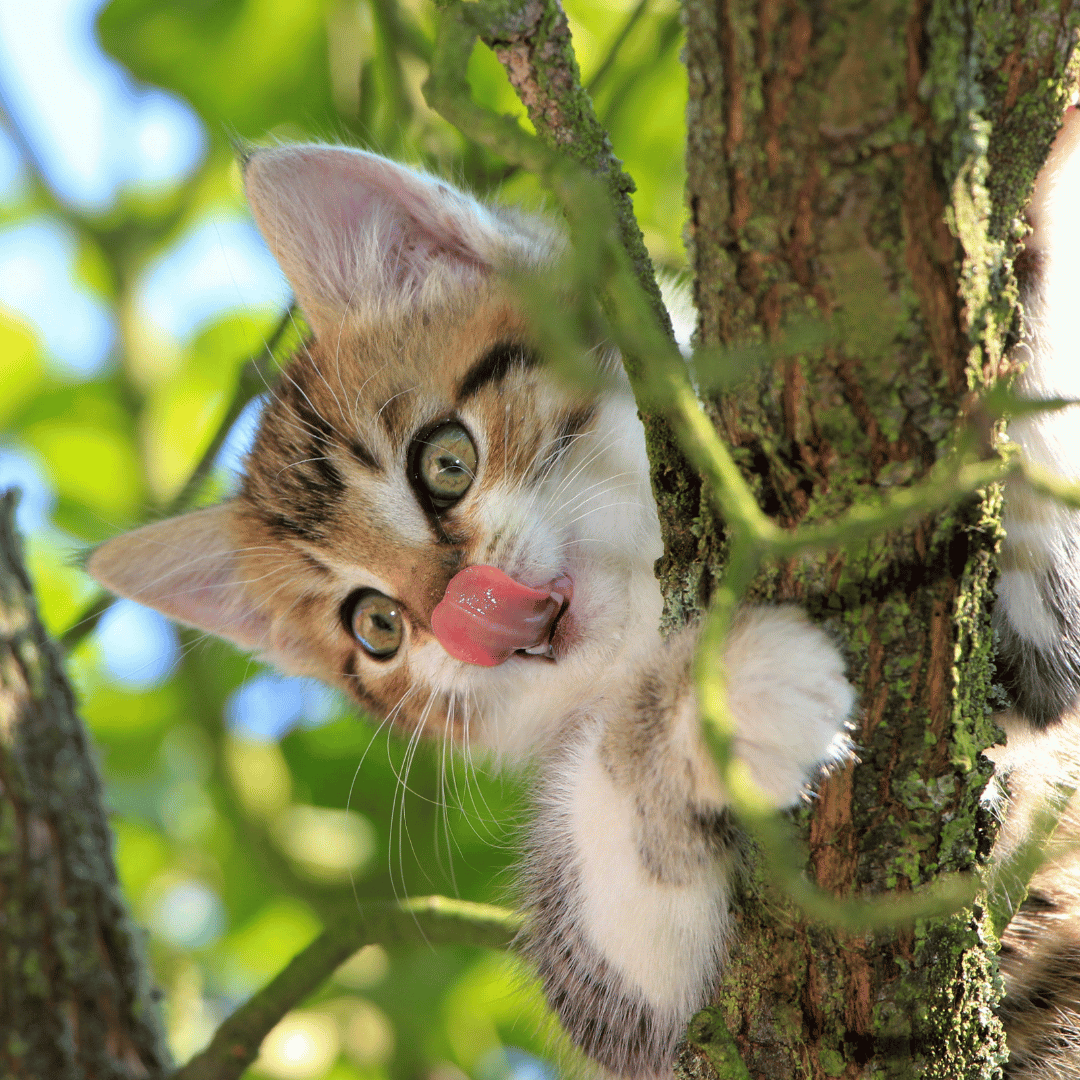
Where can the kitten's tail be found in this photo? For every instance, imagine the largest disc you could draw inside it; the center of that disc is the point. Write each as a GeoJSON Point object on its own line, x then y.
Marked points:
{"type": "Point", "coordinates": [1038, 612]}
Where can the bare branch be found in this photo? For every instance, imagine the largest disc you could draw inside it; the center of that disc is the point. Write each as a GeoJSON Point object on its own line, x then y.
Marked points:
{"type": "Point", "coordinates": [430, 920]}
{"type": "Point", "coordinates": [532, 41]}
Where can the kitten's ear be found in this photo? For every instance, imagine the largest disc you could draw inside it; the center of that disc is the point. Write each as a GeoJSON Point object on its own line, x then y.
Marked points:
{"type": "Point", "coordinates": [186, 568]}
{"type": "Point", "coordinates": [356, 233]}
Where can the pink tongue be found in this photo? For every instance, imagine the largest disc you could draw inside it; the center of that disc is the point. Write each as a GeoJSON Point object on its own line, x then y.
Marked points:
{"type": "Point", "coordinates": [486, 616]}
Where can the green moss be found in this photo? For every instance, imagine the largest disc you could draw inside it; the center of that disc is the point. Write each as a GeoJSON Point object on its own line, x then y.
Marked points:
{"type": "Point", "coordinates": [832, 1062]}
{"type": "Point", "coordinates": [708, 1033]}
{"type": "Point", "coordinates": [921, 316]}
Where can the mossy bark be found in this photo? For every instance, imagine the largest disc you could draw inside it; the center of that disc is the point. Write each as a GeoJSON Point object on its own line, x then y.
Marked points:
{"type": "Point", "coordinates": [75, 1000]}
{"type": "Point", "coordinates": [866, 163]}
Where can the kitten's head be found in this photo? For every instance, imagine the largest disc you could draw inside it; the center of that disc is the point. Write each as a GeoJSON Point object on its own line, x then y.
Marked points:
{"type": "Point", "coordinates": [414, 456]}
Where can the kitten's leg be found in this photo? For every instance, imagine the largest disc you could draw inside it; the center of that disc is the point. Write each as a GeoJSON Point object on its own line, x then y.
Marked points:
{"type": "Point", "coordinates": [1038, 612]}
{"type": "Point", "coordinates": [632, 851]}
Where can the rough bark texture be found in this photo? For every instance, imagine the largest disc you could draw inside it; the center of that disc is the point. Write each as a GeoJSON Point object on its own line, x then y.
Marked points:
{"type": "Point", "coordinates": [865, 163]}
{"type": "Point", "coordinates": [75, 999]}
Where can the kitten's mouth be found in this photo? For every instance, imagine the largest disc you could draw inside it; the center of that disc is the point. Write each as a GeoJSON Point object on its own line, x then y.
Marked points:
{"type": "Point", "coordinates": [486, 616]}
{"type": "Point", "coordinates": [546, 650]}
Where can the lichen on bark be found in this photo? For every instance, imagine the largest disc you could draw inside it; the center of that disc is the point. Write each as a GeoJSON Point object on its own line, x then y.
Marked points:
{"type": "Point", "coordinates": [75, 997]}
{"type": "Point", "coordinates": [864, 164]}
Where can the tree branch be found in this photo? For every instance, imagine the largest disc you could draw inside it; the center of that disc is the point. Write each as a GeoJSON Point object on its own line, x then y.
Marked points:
{"type": "Point", "coordinates": [76, 999]}
{"type": "Point", "coordinates": [533, 38]}
{"type": "Point", "coordinates": [431, 920]}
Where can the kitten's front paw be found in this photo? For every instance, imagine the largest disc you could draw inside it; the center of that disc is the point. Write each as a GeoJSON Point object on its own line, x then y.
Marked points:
{"type": "Point", "coordinates": [789, 697]}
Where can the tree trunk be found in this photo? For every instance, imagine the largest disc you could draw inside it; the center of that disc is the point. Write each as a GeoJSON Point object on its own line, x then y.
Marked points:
{"type": "Point", "coordinates": [75, 999]}
{"type": "Point", "coordinates": [864, 163]}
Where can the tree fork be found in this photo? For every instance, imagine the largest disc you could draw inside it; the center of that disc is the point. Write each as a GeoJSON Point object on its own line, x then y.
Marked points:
{"type": "Point", "coordinates": [865, 164]}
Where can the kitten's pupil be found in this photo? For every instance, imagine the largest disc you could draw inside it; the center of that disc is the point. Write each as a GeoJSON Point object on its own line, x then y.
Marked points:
{"type": "Point", "coordinates": [376, 623]}
{"type": "Point", "coordinates": [446, 463]}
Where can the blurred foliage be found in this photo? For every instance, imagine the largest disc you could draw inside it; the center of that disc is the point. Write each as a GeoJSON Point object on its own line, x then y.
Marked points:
{"type": "Point", "coordinates": [234, 849]}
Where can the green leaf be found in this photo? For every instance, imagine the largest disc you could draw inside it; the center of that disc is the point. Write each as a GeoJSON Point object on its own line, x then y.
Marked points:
{"type": "Point", "coordinates": [22, 371]}
{"type": "Point", "coordinates": [94, 466]}
{"type": "Point", "coordinates": [245, 65]}
{"type": "Point", "coordinates": [267, 942]}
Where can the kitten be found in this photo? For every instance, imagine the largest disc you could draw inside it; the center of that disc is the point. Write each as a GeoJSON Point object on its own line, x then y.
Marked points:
{"type": "Point", "coordinates": [463, 544]}
{"type": "Point", "coordinates": [434, 524]}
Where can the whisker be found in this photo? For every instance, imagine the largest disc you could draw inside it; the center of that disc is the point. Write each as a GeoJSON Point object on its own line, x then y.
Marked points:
{"type": "Point", "coordinates": [394, 397]}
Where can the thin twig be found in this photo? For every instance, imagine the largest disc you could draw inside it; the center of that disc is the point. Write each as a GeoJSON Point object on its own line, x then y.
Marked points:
{"type": "Point", "coordinates": [253, 381]}
{"type": "Point", "coordinates": [86, 621]}
{"type": "Point", "coordinates": [18, 136]}
{"type": "Point", "coordinates": [404, 30]}
{"type": "Point", "coordinates": [431, 920]}
{"type": "Point", "coordinates": [531, 38]}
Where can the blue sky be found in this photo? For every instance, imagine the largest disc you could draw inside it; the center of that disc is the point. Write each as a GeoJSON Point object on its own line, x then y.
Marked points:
{"type": "Point", "coordinates": [94, 132]}
{"type": "Point", "coordinates": [92, 129]}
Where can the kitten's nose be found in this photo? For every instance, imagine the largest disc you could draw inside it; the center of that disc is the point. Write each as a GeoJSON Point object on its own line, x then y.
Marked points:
{"type": "Point", "coordinates": [486, 616]}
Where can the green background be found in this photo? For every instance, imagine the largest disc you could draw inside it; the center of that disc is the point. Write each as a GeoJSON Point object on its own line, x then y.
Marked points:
{"type": "Point", "coordinates": [233, 849]}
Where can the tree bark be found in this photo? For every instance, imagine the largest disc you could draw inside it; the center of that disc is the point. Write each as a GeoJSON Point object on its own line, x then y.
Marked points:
{"type": "Point", "coordinates": [865, 164]}
{"type": "Point", "coordinates": [75, 995]}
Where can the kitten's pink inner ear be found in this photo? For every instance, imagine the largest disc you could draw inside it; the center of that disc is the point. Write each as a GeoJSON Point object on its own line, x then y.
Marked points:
{"type": "Point", "coordinates": [352, 230]}
{"type": "Point", "coordinates": [186, 568]}
{"type": "Point", "coordinates": [486, 616]}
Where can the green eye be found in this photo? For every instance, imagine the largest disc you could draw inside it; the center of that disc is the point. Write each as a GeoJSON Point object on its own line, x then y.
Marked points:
{"type": "Point", "coordinates": [376, 623]}
{"type": "Point", "coordinates": [446, 463]}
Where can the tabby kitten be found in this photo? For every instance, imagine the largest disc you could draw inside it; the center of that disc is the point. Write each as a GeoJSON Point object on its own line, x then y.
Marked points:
{"type": "Point", "coordinates": [465, 545]}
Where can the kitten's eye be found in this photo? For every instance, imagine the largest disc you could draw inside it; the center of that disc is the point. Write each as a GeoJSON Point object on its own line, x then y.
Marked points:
{"type": "Point", "coordinates": [446, 464]}
{"type": "Point", "coordinates": [375, 621]}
